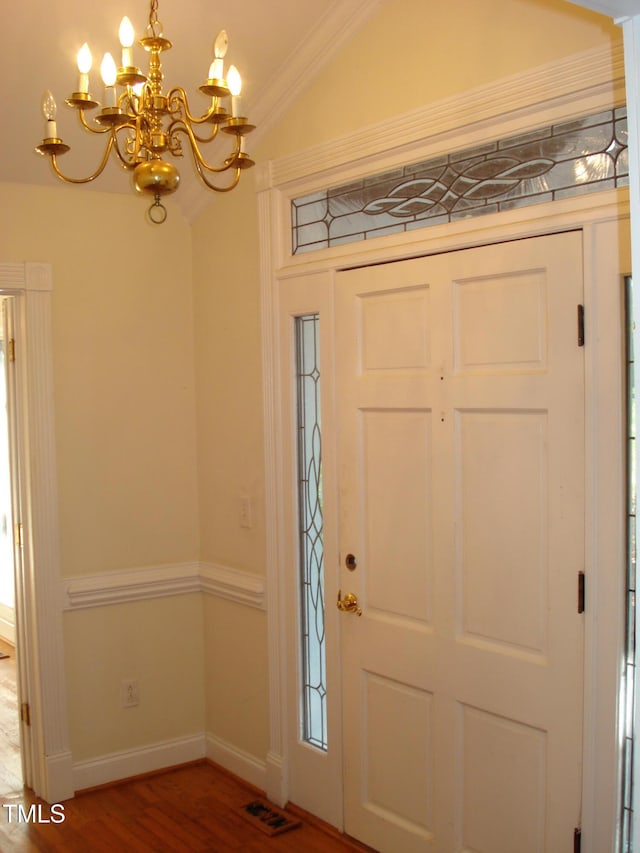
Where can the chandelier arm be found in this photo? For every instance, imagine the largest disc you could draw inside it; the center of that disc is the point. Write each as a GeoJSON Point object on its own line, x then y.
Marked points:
{"type": "Point", "coordinates": [211, 186]}
{"type": "Point", "coordinates": [207, 139]}
{"type": "Point", "coordinates": [182, 127]}
{"type": "Point", "coordinates": [178, 94]}
{"type": "Point", "coordinates": [129, 102]}
{"type": "Point", "coordinates": [130, 157]}
{"type": "Point", "coordinates": [132, 160]}
{"type": "Point", "coordinates": [95, 175]}
{"type": "Point", "coordinates": [179, 123]}
{"type": "Point", "coordinates": [91, 128]}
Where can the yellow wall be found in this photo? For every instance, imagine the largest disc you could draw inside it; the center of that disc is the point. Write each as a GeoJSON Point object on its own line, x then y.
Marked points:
{"type": "Point", "coordinates": [229, 382]}
{"type": "Point", "coordinates": [157, 343]}
{"type": "Point", "coordinates": [126, 448]}
{"type": "Point", "coordinates": [231, 459]}
{"type": "Point", "coordinates": [123, 372]}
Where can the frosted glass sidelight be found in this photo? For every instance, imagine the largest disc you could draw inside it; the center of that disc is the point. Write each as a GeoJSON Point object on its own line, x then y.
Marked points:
{"type": "Point", "coordinates": [311, 550]}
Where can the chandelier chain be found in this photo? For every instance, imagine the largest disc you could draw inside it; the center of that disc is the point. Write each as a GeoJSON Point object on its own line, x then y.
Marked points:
{"type": "Point", "coordinates": [155, 27]}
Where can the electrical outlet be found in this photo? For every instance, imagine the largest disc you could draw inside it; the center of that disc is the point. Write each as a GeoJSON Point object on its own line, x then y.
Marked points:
{"type": "Point", "coordinates": [130, 695]}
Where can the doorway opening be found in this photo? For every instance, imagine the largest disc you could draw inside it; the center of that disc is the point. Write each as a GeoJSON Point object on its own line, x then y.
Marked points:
{"type": "Point", "coordinates": [11, 776]}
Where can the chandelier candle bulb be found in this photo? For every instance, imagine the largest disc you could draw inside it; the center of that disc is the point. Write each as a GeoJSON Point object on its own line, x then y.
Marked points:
{"type": "Point", "coordinates": [109, 74]}
{"type": "Point", "coordinates": [84, 60]}
{"type": "Point", "coordinates": [216, 70]}
{"type": "Point", "coordinates": [234, 81]}
{"type": "Point", "coordinates": [127, 37]}
{"type": "Point", "coordinates": [220, 45]}
{"type": "Point", "coordinates": [49, 112]}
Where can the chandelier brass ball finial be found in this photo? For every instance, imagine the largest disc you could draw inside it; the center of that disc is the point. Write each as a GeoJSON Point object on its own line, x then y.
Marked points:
{"type": "Point", "coordinates": [157, 177]}
{"type": "Point", "coordinates": [143, 125]}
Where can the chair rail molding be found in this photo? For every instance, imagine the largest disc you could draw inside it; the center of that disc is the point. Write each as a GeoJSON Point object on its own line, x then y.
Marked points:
{"type": "Point", "coordinates": [150, 582]}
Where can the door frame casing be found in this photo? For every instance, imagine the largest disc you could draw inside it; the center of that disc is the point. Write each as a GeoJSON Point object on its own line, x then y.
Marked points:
{"type": "Point", "coordinates": [40, 611]}
{"type": "Point", "coordinates": [599, 216]}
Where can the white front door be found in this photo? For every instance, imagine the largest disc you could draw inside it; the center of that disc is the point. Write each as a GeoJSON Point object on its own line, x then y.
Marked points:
{"type": "Point", "coordinates": [460, 410]}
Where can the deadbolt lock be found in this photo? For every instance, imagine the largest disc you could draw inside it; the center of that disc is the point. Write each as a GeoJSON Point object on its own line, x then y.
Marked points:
{"type": "Point", "coordinates": [350, 562]}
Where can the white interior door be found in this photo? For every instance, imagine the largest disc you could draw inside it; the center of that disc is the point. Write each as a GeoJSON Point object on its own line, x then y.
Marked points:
{"type": "Point", "coordinates": [460, 407]}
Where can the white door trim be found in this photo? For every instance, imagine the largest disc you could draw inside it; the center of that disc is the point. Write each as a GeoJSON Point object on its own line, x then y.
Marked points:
{"type": "Point", "coordinates": [597, 214]}
{"type": "Point", "coordinates": [627, 14]}
{"type": "Point", "coordinates": [51, 770]}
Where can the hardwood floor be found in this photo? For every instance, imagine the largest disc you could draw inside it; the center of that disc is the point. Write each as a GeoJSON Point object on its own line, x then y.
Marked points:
{"type": "Point", "coordinates": [191, 809]}
{"type": "Point", "coordinates": [10, 767]}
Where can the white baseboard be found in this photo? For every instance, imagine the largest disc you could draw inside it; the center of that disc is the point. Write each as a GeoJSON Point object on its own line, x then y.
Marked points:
{"type": "Point", "coordinates": [58, 778]}
{"type": "Point", "coordinates": [158, 756]}
{"type": "Point", "coordinates": [236, 761]}
{"type": "Point", "coordinates": [133, 762]}
{"type": "Point", "coordinates": [8, 624]}
{"type": "Point", "coordinates": [7, 632]}
{"type": "Point", "coordinates": [275, 786]}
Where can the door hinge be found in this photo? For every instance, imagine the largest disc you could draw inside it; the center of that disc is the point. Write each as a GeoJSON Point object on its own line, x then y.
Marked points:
{"type": "Point", "coordinates": [18, 535]}
{"type": "Point", "coordinates": [11, 350]}
{"type": "Point", "coordinates": [580, 592]}
{"type": "Point", "coordinates": [25, 713]}
{"type": "Point", "coordinates": [577, 840]}
{"type": "Point", "coordinates": [580, 325]}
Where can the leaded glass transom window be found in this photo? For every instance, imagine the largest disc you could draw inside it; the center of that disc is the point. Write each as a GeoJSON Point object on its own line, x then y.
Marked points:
{"type": "Point", "coordinates": [568, 159]}
{"type": "Point", "coordinates": [311, 547]}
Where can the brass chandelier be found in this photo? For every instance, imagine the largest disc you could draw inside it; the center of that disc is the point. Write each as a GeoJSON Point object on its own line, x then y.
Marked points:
{"type": "Point", "coordinates": [142, 125]}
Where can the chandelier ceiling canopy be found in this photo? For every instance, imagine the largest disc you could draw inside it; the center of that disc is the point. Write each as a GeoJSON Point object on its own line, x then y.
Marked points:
{"type": "Point", "coordinates": [142, 125]}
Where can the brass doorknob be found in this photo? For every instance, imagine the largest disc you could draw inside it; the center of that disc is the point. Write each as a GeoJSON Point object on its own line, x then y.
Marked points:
{"type": "Point", "coordinates": [348, 604]}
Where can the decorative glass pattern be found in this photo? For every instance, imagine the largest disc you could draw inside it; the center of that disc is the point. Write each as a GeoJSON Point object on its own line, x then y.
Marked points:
{"type": "Point", "coordinates": [314, 712]}
{"type": "Point", "coordinates": [568, 159]}
{"type": "Point", "coordinates": [628, 682]}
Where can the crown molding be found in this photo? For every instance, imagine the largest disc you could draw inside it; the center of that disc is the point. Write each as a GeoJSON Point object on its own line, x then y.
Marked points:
{"type": "Point", "coordinates": [616, 9]}
{"type": "Point", "coordinates": [341, 22]}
